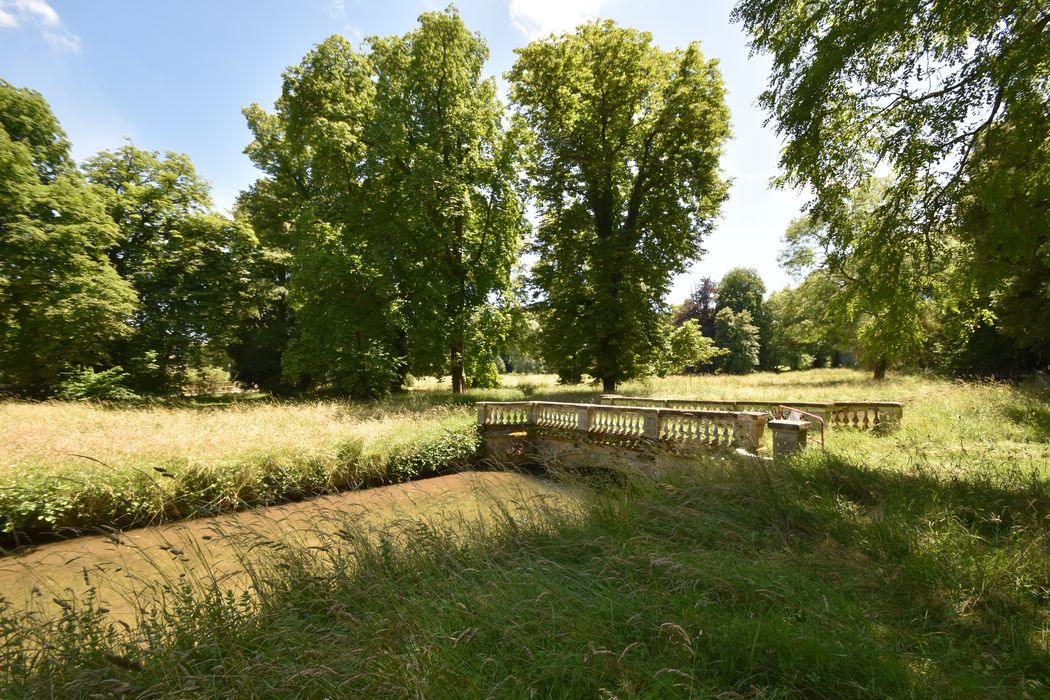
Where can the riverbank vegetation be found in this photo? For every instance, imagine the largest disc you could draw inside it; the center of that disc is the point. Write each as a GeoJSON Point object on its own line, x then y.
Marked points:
{"type": "Point", "coordinates": [66, 466]}
{"type": "Point", "coordinates": [825, 577]}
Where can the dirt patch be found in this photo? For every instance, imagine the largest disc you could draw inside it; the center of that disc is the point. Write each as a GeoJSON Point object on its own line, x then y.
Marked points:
{"type": "Point", "coordinates": [130, 571]}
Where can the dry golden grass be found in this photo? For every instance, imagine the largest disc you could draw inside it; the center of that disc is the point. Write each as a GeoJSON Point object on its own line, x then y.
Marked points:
{"type": "Point", "coordinates": [48, 435]}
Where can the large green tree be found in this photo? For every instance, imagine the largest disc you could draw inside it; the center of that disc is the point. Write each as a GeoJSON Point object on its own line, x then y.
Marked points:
{"type": "Point", "coordinates": [625, 142]}
{"type": "Point", "coordinates": [62, 304]}
{"type": "Point", "coordinates": [189, 266]}
{"type": "Point", "coordinates": [951, 98]}
{"type": "Point", "coordinates": [400, 183]}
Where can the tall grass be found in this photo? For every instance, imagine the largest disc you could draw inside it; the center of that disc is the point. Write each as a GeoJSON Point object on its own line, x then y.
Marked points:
{"type": "Point", "coordinates": [822, 578]}
{"type": "Point", "coordinates": [71, 466]}
{"type": "Point", "coordinates": [67, 466]}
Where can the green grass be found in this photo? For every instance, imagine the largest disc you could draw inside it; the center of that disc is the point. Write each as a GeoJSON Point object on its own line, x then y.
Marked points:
{"type": "Point", "coordinates": [821, 578]}
{"type": "Point", "coordinates": [70, 466]}
{"type": "Point", "coordinates": [914, 564]}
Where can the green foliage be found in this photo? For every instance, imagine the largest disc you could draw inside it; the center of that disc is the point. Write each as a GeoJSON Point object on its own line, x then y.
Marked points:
{"type": "Point", "coordinates": [624, 141]}
{"type": "Point", "coordinates": [206, 380]}
{"type": "Point", "coordinates": [188, 266]}
{"type": "Point", "coordinates": [701, 306]}
{"type": "Point", "coordinates": [950, 98]}
{"type": "Point", "coordinates": [883, 285]}
{"type": "Point", "coordinates": [802, 332]}
{"type": "Point", "coordinates": [687, 349]}
{"type": "Point", "coordinates": [86, 383]}
{"type": "Point", "coordinates": [739, 339]}
{"type": "Point", "coordinates": [742, 289]}
{"type": "Point", "coordinates": [399, 204]}
{"type": "Point", "coordinates": [62, 304]}
{"type": "Point", "coordinates": [1003, 222]}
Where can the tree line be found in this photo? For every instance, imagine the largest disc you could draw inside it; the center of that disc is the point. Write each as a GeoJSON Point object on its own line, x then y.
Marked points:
{"type": "Point", "coordinates": [384, 236]}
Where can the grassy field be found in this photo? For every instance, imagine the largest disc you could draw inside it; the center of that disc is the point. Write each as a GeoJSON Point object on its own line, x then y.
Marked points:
{"type": "Point", "coordinates": [68, 466]}
{"type": "Point", "coordinates": [915, 564]}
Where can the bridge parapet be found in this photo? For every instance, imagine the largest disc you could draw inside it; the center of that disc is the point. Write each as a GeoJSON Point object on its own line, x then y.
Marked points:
{"type": "Point", "coordinates": [864, 415]}
{"type": "Point", "coordinates": [671, 429]}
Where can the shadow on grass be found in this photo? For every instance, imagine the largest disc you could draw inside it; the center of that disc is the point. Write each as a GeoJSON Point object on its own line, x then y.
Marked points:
{"type": "Point", "coordinates": [819, 578]}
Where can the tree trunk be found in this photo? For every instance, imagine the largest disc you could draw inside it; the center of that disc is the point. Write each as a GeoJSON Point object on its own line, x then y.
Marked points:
{"type": "Point", "coordinates": [459, 383]}
{"type": "Point", "coordinates": [880, 369]}
{"type": "Point", "coordinates": [609, 385]}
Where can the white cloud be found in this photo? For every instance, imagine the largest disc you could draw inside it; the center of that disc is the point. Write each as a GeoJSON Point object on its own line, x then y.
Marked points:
{"type": "Point", "coordinates": [536, 18]}
{"type": "Point", "coordinates": [16, 13]}
{"type": "Point", "coordinates": [337, 8]}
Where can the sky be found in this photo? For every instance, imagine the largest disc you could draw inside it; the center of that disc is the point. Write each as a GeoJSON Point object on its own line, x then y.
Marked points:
{"type": "Point", "coordinates": [173, 76]}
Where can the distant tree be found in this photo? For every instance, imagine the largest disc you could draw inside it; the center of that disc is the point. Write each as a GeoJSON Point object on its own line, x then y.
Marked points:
{"type": "Point", "coordinates": [738, 337]}
{"type": "Point", "coordinates": [687, 349]}
{"type": "Point", "coordinates": [189, 266]}
{"type": "Point", "coordinates": [950, 98]}
{"type": "Point", "coordinates": [62, 304]}
{"type": "Point", "coordinates": [625, 141]}
{"type": "Point", "coordinates": [701, 306]}
{"type": "Point", "coordinates": [802, 333]}
{"type": "Point", "coordinates": [262, 336]}
{"type": "Point", "coordinates": [742, 289]}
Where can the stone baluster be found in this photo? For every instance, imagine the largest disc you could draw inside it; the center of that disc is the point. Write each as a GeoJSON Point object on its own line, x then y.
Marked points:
{"type": "Point", "coordinates": [889, 417]}
{"type": "Point", "coordinates": [651, 425]}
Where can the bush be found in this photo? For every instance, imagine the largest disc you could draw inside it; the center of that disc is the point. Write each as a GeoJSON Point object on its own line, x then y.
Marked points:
{"type": "Point", "coordinates": [86, 383]}
{"type": "Point", "coordinates": [206, 380]}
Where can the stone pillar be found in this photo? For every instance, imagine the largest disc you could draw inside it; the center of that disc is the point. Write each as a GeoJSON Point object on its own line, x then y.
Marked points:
{"type": "Point", "coordinates": [483, 412]}
{"type": "Point", "coordinates": [583, 421]}
{"type": "Point", "coordinates": [890, 416]}
{"type": "Point", "coordinates": [789, 436]}
{"type": "Point", "coordinates": [651, 425]}
{"type": "Point", "coordinates": [749, 431]}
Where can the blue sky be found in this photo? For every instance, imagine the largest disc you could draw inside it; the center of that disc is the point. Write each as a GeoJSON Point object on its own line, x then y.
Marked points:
{"type": "Point", "coordinates": [174, 76]}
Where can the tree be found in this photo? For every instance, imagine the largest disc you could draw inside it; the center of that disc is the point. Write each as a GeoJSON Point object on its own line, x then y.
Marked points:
{"type": "Point", "coordinates": [1003, 222]}
{"type": "Point", "coordinates": [188, 266]}
{"type": "Point", "coordinates": [950, 98]}
{"type": "Point", "coordinates": [62, 304]}
{"type": "Point", "coordinates": [802, 334]}
{"type": "Point", "coordinates": [625, 141]}
{"type": "Point", "coordinates": [687, 349]}
{"type": "Point", "coordinates": [401, 185]}
{"type": "Point", "coordinates": [742, 289]}
{"type": "Point", "coordinates": [701, 305]}
{"type": "Point", "coordinates": [883, 286]}
{"type": "Point", "coordinates": [738, 337]}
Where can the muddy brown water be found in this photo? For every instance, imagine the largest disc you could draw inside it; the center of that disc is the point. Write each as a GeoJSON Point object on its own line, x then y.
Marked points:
{"type": "Point", "coordinates": [128, 572]}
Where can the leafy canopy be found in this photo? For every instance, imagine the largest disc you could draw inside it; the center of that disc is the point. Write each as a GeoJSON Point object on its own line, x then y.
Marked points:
{"type": "Point", "coordinates": [952, 100]}
{"type": "Point", "coordinates": [624, 146]}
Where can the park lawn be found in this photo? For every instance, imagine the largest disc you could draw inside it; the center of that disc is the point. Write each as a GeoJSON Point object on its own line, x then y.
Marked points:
{"type": "Point", "coordinates": [913, 564]}
{"type": "Point", "coordinates": [68, 466]}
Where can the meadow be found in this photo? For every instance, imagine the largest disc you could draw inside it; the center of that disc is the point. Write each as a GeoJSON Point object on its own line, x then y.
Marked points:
{"type": "Point", "coordinates": [913, 564]}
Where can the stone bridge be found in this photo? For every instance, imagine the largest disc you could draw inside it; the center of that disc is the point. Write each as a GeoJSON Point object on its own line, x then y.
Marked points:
{"type": "Point", "coordinates": [521, 432]}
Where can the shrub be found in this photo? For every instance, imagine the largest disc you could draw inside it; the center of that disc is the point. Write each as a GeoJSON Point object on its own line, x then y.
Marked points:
{"type": "Point", "coordinates": [86, 383]}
